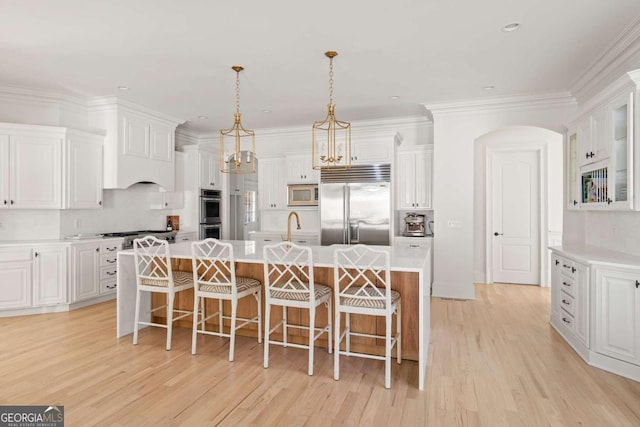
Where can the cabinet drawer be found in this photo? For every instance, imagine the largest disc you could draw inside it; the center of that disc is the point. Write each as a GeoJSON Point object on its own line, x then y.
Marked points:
{"type": "Point", "coordinates": [567, 320]}
{"type": "Point", "coordinates": [108, 259]}
{"type": "Point", "coordinates": [567, 303]}
{"type": "Point", "coordinates": [108, 272]}
{"type": "Point", "coordinates": [110, 247]}
{"type": "Point", "coordinates": [568, 285]}
{"type": "Point", "coordinates": [568, 267]}
{"type": "Point", "coordinates": [15, 254]}
{"type": "Point", "coordinates": [108, 286]}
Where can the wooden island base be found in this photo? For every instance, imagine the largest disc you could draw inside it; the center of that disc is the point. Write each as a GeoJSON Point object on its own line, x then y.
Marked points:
{"type": "Point", "coordinates": [407, 283]}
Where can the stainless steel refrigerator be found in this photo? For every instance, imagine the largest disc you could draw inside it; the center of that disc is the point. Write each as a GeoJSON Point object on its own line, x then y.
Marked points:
{"type": "Point", "coordinates": [355, 205]}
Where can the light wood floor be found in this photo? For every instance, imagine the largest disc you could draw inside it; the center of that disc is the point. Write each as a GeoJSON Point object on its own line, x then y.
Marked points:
{"type": "Point", "coordinates": [492, 362]}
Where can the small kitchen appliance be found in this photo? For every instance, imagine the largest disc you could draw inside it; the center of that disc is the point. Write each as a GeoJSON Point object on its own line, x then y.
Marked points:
{"type": "Point", "coordinates": [413, 225]}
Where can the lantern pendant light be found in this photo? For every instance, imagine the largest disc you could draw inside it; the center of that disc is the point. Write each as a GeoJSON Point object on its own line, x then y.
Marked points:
{"type": "Point", "coordinates": [331, 140]}
{"type": "Point", "coordinates": [237, 144]}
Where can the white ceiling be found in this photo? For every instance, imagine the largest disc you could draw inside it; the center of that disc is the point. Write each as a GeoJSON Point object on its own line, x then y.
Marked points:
{"type": "Point", "coordinates": [176, 55]}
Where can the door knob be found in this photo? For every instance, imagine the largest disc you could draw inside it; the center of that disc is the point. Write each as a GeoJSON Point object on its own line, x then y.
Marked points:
{"type": "Point", "coordinates": [497, 234]}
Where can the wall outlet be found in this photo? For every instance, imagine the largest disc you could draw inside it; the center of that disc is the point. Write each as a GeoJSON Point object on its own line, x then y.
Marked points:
{"type": "Point", "coordinates": [454, 224]}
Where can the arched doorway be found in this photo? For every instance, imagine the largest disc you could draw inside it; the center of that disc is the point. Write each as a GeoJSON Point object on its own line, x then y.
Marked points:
{"type": "Point", "coordinates": [518, 206]}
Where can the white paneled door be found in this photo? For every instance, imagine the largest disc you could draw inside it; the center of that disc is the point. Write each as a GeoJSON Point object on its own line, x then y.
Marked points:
{"type": "Point", "coordinates": [516, 217]}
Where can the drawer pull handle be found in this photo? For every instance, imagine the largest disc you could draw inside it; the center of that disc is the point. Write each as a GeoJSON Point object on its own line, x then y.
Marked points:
{"type": "Point", "coordinates": [115, 248]}
{"type": "Point", "coordinates": [565, 320]}
{"type": "Point", "coordinates": [112, 286]}
{"type": "Point", "coordinates": [566, 284]}
{"type": "Point", "coordinates": [637, 284]}
{"type": "Point", "coordinates": [564, 301]}
{"type": "Point", "coordinates": [414, 246]}
{"type": "Point", "coordinates": [557, 262]}
{"type": "Point", "coordinates": [111, 261]}
{"type": "Point", "coordinates": [111, 273]}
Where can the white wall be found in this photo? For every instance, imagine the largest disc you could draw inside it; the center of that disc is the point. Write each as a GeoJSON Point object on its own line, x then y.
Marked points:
{"type": "Point", "coordinates": [510, 138]}
{"type": "Point", "coordinates": [456, 127]}
{"type": "Point", "coordinates": [29, 224]}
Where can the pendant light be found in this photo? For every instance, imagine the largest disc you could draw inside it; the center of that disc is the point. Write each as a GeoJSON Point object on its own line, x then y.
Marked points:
{"type": "Point", "coordinates": [237, 145]}
{"type": "Point", "coordinates": [331, 140]}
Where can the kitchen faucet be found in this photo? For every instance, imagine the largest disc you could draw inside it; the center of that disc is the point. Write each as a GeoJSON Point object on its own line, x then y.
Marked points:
{"type": "Point", "coordinates": [292, 214]}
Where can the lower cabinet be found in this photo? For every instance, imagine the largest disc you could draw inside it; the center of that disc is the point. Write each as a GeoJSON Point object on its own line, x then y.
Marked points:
{"type": "Point", "coordinates": [596, 308]}
{"type": "Point", "coordinates": [15, 278]}
{"type": "Point", "coordinates": [186, 236]}
{"type": "Point", "coordinates": [94, 269]}
{"type": "Point", "coordinates": [50, 275]}
{"type": "Point", "coordinates": [617, 314]}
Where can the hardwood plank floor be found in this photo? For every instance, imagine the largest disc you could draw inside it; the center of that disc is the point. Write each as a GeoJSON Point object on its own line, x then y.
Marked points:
{"type": "Point", "coordinates": [494, 361]}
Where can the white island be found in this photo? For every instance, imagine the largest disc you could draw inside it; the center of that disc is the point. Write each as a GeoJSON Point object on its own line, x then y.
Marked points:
{"type": "Point", "coordinates": [410, 273]}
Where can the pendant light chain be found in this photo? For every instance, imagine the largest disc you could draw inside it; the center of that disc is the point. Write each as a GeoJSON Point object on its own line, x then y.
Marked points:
{"type": "Point", "coordinates": [331, 80]}
{"type": "Point", "coordinates": [238, 92]}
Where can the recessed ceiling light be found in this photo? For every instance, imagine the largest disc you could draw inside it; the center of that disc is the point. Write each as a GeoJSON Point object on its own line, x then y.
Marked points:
{"type": "Point", "coordinates": [266, 111]}
{"type": "Point", "coordinates": [511, 27]}
{"type": "Point", "coordinates": [490, 87]}
{"type": "Point", "coordinates": [394, 97]}
{"type": "Point", "coordinates": [203, 117]}
{"type": "Point", "coordinates": [123, 87]}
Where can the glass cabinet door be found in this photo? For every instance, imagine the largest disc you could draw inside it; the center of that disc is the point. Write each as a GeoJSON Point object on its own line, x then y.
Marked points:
{"type": "Point", "coordinates": [621, 137]}
{"type": "Point", "coordinates": [573, 172]}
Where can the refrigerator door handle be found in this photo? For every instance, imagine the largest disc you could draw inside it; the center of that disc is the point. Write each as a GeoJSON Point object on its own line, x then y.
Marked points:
{"type": "Point", "coordinates": [345, 203]}
{"type": "Point", "coordinates": [354, 231]}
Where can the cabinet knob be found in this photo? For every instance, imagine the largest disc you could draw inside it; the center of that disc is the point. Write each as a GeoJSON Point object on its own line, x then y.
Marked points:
{"type": "Point", "coordinates": [573, 269]}
{"type": "Point", "coordinates": [100, 202]}
{"type": "Point", "coordinates": [5, 203]}
{"type": "Point", "coordinates": [609, 201]}
{"type": "Point", "coordinates": [497, 234]}
{"type": "Point", "coordinates": [575, 202]}
{"type": "Point", "coordinates": [637, 284]}
{"type": "Point", "coordinates": [557, 262]}
{"type": "Point", "coordinates": [35, 254]}
{"type": "Point", "coordinates": [166, 204]}
{"type": "Point", "coordinates": [11, 201]}
{"type": "Point", "coordinates": [97, 249]}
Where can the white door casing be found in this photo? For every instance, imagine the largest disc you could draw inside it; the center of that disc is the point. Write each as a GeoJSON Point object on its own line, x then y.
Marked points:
{"type": "Point", "coordinates": [514, 223]}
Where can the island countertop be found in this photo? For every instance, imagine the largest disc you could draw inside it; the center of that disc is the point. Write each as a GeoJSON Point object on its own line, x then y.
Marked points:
{"type": "Point", "coordinates": [401, 258]}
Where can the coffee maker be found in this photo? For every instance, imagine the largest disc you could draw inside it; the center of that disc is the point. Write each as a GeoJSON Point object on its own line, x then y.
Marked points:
{"type": "Point", "coordinates": [413, 225]}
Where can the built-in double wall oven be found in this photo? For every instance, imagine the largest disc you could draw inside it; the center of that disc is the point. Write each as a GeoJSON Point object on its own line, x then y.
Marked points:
{"type": "Point", "coordinates": [210, 210]}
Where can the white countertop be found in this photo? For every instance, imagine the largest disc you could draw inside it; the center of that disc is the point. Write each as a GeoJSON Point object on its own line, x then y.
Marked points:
{"type": "Point", "coordinates": [9, 243]}
{"type": "Point", "coordinates": [402, 258]}
{"type": "Point", "coordinates": [594, 255]}
{"type": "Point", "coordinates": [294, 232]}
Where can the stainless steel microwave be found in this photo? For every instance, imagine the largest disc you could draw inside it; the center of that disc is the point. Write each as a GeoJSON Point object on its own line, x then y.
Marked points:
{"type": "Point", "coordinates": [302, 195]}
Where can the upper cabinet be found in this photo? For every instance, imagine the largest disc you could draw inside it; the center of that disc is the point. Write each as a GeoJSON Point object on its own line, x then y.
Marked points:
{"type": "Point", "coordinates": [209, 171]}
{"type": "Point", "coordinates": [600, 147]}
{"type": "Point", "coordinates": [201, 168]}
{"type": "Point", "coordinates": [139, 145]}
{"type": "Point", "coordinates": [413, 177]}
{"type": "Point", "coordinates": [300, 170]}
{"type": "Point", "coordinates": [44, 167]}
{"type": "Point", "coordinates": [272, 186]}
{"type": "Point", "coordinates": [172, 199]}
{"type": "Point", "coordinates": [372, 150]}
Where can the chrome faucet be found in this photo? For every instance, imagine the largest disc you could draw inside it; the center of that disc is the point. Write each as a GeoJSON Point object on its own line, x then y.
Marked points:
{"type": "Point", "coordinates": [292, 214]}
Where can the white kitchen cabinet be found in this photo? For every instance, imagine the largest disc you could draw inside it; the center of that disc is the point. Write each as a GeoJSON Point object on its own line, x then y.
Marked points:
{"type": "Point", "coordinates": [371, 151]}
{"type": "Point", "coordinates": [209, 171]}
{"type": "Point", "coordinates": [85, 282]}
{"type": "Point", "coordinates": [139, 143]}
{"type": "Point", "coordinates": [300, 170]}
{"type": "Point", "coordinates": [171, 199]}
{"type": "Point", "coordinates": [84, 170]}
{"type": "Point", "coordinates": [570, 283]}
{"type": "Point", "coordinates": [49, 275]}
{"type": "Point", "coordinates": [602, 174]}
{"type": "Point", "coordinates": [31, 174]}
{"type": "Point", "coordinates": [272, 186]}
{"type": "Point", "coordinates": [15, 277]}
{"type": "Point", "coordinates": [413, 171]}
{"type": "Point", "coordinates": [617, 314]}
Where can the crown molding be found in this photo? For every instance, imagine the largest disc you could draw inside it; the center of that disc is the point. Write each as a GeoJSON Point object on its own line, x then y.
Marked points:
{"type": "Point", "coordinates": [106, 103]}
{"type": "Point", "coordinates": [186, 137]}
{"type": "Point", "coordinates": [42, 97]}
{"type": "Point", "coordinates": [506, 103]}
{"type": "Point", "coordinates": [613, 57]}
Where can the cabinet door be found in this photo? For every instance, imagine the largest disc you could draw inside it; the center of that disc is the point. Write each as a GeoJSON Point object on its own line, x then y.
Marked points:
{"type": "Point", "coordinates": [620, 139]}
{"type": "Point", "coordinates": [600, 141]}
{"type": "Point", "coordinates": [584, 141]}
{"type": "Point", "coordinates": [162, 142]}
{"type": "Point", "coordinates": [300, 170]}
{"type": "Point", "coordinates": [50, 276]}
{"type": "Point", "coordinates": [573, 171]}
{"type": "Point", "coordinates": [406, 198]}
{"type": "Point", "coordinates": [423, 160]}
{"type": "Point", "coordinates": [272, 185]}
{"type": "Point", "coordinates": [35, 178]}
{"type": "Point", "coordinates": [556, 285]}
{"type": "Point", "coordinates": [371, 152]}
{"type": "Point", "coordinates": [581, 304]}
{"type": "Point", "coordinates": [85, 281]}
{"type": "Point", "coordinates": [84, 174]}
{"type": "Point", "coordinates": [15, 285]}
{"type": "Point", "coordinates": [209, 171]}
{"type": "Point", "coordinates": [135, 136]}
{"type": "Point", "coordinates": [617, 316]}
{"type": "Point", "coordinates": [4, 171]}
